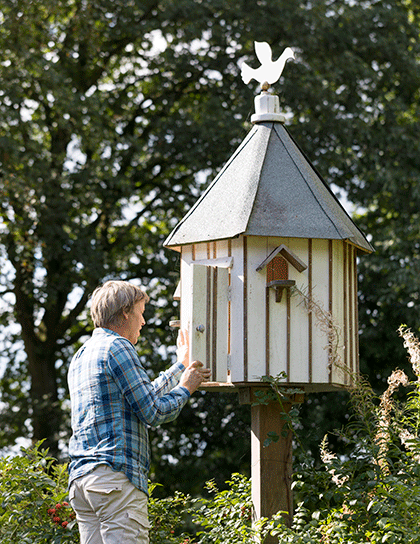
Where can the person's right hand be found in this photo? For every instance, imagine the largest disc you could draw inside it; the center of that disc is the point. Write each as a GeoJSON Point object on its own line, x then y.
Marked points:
{"type": "Point", "coordinates": [183, 347]}
{"type": "Point", "coordinates": [194, 375]}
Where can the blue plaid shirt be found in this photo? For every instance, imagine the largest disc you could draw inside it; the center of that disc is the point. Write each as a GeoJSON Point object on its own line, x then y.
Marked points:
{"type": "Point", "coordinates": [113, 402]}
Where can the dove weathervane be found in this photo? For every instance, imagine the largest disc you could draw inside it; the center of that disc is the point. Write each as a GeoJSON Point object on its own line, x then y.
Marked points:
{"type": "Point", "coordinates": [270, 71]}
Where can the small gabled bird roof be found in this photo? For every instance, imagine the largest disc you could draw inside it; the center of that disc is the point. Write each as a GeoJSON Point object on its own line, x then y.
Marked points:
{"type": "Point", "coordinates": [267, 188]}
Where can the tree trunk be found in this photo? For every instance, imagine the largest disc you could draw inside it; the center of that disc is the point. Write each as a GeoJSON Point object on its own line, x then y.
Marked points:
{"type": "Point", "coordinates": [46, 410]}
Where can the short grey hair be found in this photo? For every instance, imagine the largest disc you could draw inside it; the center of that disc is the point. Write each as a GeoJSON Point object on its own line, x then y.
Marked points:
{"type": "Point", "coordinates": [112, 299]}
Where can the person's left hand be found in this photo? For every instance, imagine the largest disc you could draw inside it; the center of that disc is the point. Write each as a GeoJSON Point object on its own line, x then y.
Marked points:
{"type": "Point", "coordinates": [194, 375]}
{"type": "Point", "coordinates": [183, 348]}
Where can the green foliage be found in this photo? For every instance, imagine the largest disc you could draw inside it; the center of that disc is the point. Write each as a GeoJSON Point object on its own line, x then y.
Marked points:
{"type": "Point", "coordinates": [34, 507]}
{"type": "Point", "coordinates": [213, 427]}
{"type": "Point", "coordinates": [33, 500]}
{"type": "Point", "coordinates": [167, 517]}
{"type": "Point", "coordinates": [370, 495]}
{"type": "Point", "coordinates": [114, 113]}
{"type": "Point", "coordinates": [284, 396]}
{"type": "Point", "coordinates": [226, 518]}
{"type": "Point", "coordinates": [373, 493]}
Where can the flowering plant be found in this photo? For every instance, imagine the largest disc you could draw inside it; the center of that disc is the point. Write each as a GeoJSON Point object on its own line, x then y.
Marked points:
{"type": "Point", "coordinates": [62, 514]}
{"type": "Point", "coordinates": [33, 507]}
{"type": "Point", "coordinates": [371, 494]}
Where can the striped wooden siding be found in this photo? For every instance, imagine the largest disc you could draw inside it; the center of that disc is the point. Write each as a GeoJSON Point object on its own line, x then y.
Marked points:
{"type": "Point", "coordinates": [248, 334]}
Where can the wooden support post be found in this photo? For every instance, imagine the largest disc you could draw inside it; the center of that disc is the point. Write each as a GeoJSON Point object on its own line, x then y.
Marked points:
{"type": "Point", "coordinates": [271, 466]}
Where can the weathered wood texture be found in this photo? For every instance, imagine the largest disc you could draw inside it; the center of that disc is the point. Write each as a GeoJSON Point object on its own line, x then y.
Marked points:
{"type": "Point", "coordinates": [241, 330]}
{"type": "Point", "coordinates": [271, 466]}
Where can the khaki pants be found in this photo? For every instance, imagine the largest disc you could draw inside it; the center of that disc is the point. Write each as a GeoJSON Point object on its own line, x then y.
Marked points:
{"type": "Point", "coordinates": [109, 509]}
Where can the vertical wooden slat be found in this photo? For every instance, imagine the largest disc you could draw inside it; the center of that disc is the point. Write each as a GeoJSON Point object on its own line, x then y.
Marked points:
{"type": "Point", "coordinates": [229, 340]}
{"type": "Point", "coordinates": [267, 331]}
{"type": "Point", "coordinates": [237, 310]}
{"type": "Point", "coordinates": [220, 327]}
{"type": "Point", "coordinates": [199, 315]}
{"type": "Point", "coordinates": [356, 312]}
{"type": "Point", "coordinates": [186, 291]}
{"type": "Point", "coordinates": [310, 317]}
{"type": "Point", "coordinates": [229, 332]}
{"type": "Point", "coordinates": [288, 336]}
{"type": "Point", "coordinates": [345, 312]}
{"type": "Point", "coordinates": [214, 321]}
{"type": "Point", "coordinates": [245, 335]}
{"type": "Point", "coordinates": [351, 313]}
{"type": "Point", "coordinates": [208, 315]}
{"type": "Point", "coordinates": [256, 308]}
{"type": "Point", "coordinates": [330, 305]}
{"type": "Point", "coordinates": [214, 311]}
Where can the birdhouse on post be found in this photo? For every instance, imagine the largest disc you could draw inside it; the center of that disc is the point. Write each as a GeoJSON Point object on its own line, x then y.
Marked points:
{"type": "Point", "coordinates": [268, 263]}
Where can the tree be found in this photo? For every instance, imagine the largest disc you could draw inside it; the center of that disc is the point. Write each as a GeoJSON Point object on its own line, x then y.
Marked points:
{"type": "Point", "coordinates": [113, 114]}
{"type": "Point", "coordinates": [100, 144]}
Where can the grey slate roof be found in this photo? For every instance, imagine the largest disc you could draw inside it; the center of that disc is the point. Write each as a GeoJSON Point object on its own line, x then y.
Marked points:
{"type": "Point", "coordinates": [267, 188]}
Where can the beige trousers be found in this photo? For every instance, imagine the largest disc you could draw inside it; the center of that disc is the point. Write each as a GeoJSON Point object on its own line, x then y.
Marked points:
{"type": "Point", "coordinates": [109, 508]}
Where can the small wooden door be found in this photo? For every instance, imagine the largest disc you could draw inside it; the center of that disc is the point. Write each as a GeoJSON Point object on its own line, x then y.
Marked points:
{"type": "Point", "coordinates": [209, 327]}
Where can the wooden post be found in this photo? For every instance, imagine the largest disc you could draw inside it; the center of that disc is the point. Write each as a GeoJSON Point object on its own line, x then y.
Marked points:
{"type": "Point", "coordinates": [271, 466]}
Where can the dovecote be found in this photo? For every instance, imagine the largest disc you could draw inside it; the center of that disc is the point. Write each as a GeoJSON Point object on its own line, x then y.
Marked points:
{"type": "Point", "coordinates": [269, 267]}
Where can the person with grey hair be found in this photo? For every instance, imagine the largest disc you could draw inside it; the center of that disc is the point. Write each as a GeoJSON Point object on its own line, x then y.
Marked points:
{"type": "Point", "coordinates": [113, 402]}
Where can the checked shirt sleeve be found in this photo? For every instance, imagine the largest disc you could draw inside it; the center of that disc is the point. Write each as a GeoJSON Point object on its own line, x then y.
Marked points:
{"type": "Point", "coordinates": [168, 380]}
{"type": "Point", "coordinates": [154, 403]}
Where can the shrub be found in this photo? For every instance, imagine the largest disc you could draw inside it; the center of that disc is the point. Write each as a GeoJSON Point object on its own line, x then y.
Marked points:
{"type": "Point", "coordinates": [373, 493]}
{"type": "Point", "coordinates": [370, 495]}
{"type": "Point", "coordinates": [167, 518]}
{"type": "Point", "coordinates": [34, 506]}
{"type": "Point", "coordinates": [33, 500]}
{"type": "Point", "coordinates": [226, 518]}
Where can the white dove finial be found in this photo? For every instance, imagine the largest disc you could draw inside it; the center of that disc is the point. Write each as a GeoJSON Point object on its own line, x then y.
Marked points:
{"type": "Point", "coordinates": [269, 72]}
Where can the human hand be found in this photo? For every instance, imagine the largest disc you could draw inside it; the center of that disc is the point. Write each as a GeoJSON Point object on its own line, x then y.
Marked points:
{"type": "Point", "coordinates": [183, 348]}
{"type": "Point", "coordinates": [194, 375]}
